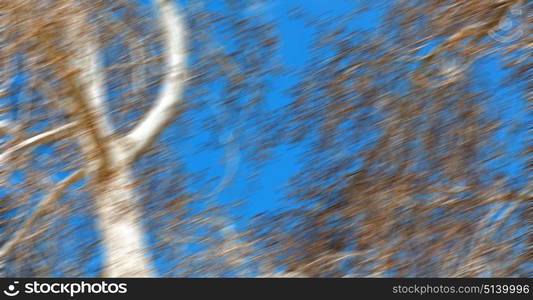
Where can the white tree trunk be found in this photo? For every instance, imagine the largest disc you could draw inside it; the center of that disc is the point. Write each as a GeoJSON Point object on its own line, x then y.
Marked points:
{"type": "Point", "coordinates": [119, 219]}
{"type": "Point", "coordinates": [116, 199]}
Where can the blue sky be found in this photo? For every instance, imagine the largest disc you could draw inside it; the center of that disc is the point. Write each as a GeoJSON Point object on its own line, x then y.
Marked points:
{"type": "Point", "coordinates": [268, 189]}
{"type": "Point", "coordinates": [266, 192]}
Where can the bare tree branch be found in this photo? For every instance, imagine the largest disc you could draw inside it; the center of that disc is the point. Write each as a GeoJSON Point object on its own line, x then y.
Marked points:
{"type": "Point", "coordinates": [83, 80]}
{"type": "Point", "coordinates": [39, 139]}
{"type": "Point", "coordinates": [174, 32]}
{"type": "Point", "coordinates": [40, 210]}
{"type": "Point", "coordinates": [95, 85]}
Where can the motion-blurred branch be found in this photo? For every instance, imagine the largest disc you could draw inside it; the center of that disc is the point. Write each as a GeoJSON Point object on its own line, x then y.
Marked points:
{"type": "Point", "coordinates": [164, 109]}
{"type": "Point", "coordinates": [39, 139]}
{"type": "Point", "coordinates": [41, 209]}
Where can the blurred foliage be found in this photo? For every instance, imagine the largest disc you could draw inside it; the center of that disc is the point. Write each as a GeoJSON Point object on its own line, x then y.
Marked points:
{"type": "Point", "coordinates": [402, 169]}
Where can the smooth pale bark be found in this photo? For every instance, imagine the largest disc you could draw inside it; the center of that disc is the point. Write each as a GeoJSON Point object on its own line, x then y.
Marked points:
{"type": "Point", "coordinates": [117, 202]}
{"type": "Point", "coordinates": [109, 160]}
{"type": "Point", "coordinates": [164, 109]}
{"type": "Point", "coordinates": [116, 199]}
{"type": "Point", "coordinates": [119, 221]}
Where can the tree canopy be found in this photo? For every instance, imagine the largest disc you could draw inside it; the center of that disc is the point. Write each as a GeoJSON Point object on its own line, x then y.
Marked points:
{"type": "Point", "coordinates": [410, 162]}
